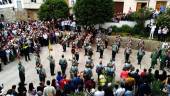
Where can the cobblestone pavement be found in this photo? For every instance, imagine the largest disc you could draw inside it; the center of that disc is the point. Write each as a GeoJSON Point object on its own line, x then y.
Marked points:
{"type": "Point", "coordinates": [10, 75]}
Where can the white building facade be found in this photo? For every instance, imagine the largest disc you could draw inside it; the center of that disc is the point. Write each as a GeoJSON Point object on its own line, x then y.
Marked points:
{"type": "Point", "coordinates": [123, 6]}
{"type": "Point", "coordinates": [24, 9]}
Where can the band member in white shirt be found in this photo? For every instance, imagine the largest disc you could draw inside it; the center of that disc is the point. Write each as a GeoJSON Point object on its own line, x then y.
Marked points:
{"type": "Point", "coordinates": [153, 27]}
{"type": "Point", "coordinates": [164, 33]}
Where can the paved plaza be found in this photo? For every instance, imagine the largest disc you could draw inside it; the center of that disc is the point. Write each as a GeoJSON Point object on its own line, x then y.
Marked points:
{"type": "Point", "coordinates": [10, 76]}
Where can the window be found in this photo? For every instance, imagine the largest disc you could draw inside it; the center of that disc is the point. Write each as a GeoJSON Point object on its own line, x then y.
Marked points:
{"type": "Point", "coordinates": [33, 1]}
{"type": "Point", "coordinates": [19, 5]}
{"type": "Point", "coordinates": [72, 2]}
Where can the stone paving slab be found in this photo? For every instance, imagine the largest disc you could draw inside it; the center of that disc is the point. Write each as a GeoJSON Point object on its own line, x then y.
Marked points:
{"type": "Point", "coordinates": [10, 75]}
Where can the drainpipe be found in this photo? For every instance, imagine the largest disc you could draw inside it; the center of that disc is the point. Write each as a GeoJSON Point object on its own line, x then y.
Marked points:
{"type": "Point", "coordinates": [148, 3]}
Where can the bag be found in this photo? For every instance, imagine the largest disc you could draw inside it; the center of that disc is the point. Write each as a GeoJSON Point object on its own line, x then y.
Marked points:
{"type": "Point", "coordinates": [99, 69]}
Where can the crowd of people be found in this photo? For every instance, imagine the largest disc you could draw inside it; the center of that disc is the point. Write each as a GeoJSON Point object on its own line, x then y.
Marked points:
{"type": "Point", "coordinates": [22, 38]}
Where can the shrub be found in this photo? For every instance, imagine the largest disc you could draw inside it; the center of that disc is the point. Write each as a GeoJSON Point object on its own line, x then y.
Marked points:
{"type": "Point", "coordinates": [115, 29]}
{"type": "Point", "coordinates": [126, 28]}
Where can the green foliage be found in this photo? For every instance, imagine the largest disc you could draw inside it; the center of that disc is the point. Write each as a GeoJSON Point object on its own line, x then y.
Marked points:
{"type": "Point", "coordinates": [53, 9]}
{"type": "Point", "coordinates": [126, 28]}
{"type": "Point", "coordinates": [164, 18]}
{"type": "Point", "coordinates": [115, 29]}
{"type": "Point", "coordinates": [91, 12]}
{"type": "Point", "coordinates": [141, 14]}
{"type": "Point", "coordinates": [140, 17]}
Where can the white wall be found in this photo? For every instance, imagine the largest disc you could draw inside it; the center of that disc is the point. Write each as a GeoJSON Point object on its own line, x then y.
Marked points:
{"type": "Point", "coordinates": [108, 24]}
{"type": "Point", "coordinates": [128, 4]}
{"type": "Point", "coordinates": [129, 23]}
{"type": "Point", "coordinates": [31, 5]}
{"type": "Point", "coordinates": [8, 5]}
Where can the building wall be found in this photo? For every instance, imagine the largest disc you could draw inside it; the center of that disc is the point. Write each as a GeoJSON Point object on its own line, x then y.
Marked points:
{"type": "Point", "coordinates": [133, 4]}
{"type": "Point", "coordinates": [27, 4]}
{"type": "Point", "coordinates": [9, 14]}
{"type": "Point", "coordinates": [32, 14]}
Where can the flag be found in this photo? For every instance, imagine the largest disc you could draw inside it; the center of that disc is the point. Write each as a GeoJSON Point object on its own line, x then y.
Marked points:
{"type": "Point", "coordinates": [49, 46]}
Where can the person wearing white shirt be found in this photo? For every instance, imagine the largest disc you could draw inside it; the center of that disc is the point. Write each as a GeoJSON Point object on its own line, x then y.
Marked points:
{"type": "Point", "coordinates": [8, 54]}
{"type": "Point", "coordinates": [164, 33]}
{"type": "Point", "coordinates": [159, 33]}
{"type": "Point", "coordinates": [100, 92]}
{"type": "Point", "coordinates": [49, 90]}
{"type": "Point", "coordinates": [57, 34]}
{"type": "Point", "coordinates": [63, 25]}
{"type": "Point", "coordinates": [120, 91]}
{"type": "Point", "coordinates": [45, 39]}
{"type": "Point", "coordinates": [153, 27]}
{"type": "Point", "coordinates": [73, 26]}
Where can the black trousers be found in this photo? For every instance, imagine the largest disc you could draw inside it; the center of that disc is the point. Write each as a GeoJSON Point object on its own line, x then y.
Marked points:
{"type": "Point", "coordinates": [63, 70]}
{"type": "Point", "coordinates": [22, 77]}
{"type": "Point", "coordinates": [101, 53]}
{"type": "Point", "coordinates": [52, 67]}
{"type": "Point", "coordinates": [27, 57]}
{"type": "Point", "coordinates": [64, 47]}
{"type": "Point", "coordinates": [127, 57]}
{"type": "Point", "coordinates": [113, 55]}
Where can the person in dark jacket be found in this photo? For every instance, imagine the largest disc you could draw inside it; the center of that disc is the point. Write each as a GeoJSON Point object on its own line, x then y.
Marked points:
{"type": "Point", "coordinates": [22, 90]}
{"type": "Point", "coordinates": [3, 56]}
{"type": "Point", "coordinates": [21, 70]}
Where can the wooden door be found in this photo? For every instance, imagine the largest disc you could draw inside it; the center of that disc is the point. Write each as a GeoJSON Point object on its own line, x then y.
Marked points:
{"type": "Point", "coordinates": [118, 7]}
{"type": "Point", "coordinates": [140, 5]}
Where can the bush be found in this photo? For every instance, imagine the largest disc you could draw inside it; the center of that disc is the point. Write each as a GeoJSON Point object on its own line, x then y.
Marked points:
{"type": "Point", "coordinates": [115, 29]}
{"type": "Point", "coordinates": [125, 28]}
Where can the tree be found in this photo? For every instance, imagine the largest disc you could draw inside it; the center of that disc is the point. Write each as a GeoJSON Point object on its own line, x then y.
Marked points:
{"type": "Point", "coordinates": [53, 9]}
{"type": "Point", "coordinates": [140, 17]}
{"type": "Point", "coordinates": [92, 12]}
{"type": "Point", "coordinates": [164, 18]}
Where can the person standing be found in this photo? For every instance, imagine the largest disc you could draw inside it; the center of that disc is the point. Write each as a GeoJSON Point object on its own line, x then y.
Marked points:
{"type": "Point", "coordinates": [127, 53]}
{"type": "Point", "coordinates": [110, 72]}
{"type": "Point", "coordinates": [163, 59]}
{"type": "Point", "coordinates": [140, 54]}
{"type": "Point", "coordinates": [49, 90]}
{"type": "Point", "coordinates": [52, 65]}
{"type": "Point", "coordinates": [77, 55]}
{"type": "Point", "coordinates": [63, 64]}
{"type": "Point", "coordinates": [42, 74]}
{"type": "Point", "coordinates": [99, 92]}
{"type": "Point", "coordinates": [101, 50]}
{"type": "Point", "coordinates": [74, 67]}
{"type": "Point", "coordinates": [64, 45]}
{"type": "Point", "coordinates": [153, 27]}
{"type": "Point", "coordinates": [21, 70]}
{"type": "Point", "coordinates": [164, 33]}
{"type": "Point", "coordinates": [99, 69]}
{"type": "Point", "coordinates": [87, 72]}
{"type": "Point", "coordinates": [26, 51]}
{"type": "Point", "coordinates": [160, 34]}
{"type": "Point", "coordinates": [106, 42]}
{"type": "Point", "coordinates": [154, 56]}
{"type": "Point", "coordinates": [114, 51]}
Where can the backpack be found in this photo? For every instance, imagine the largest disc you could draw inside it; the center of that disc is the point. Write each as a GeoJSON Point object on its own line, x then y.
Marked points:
{"type": "Point", "coordinates": [99, 69]}
{"type": "Point", "coordinates": [63, 63]}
